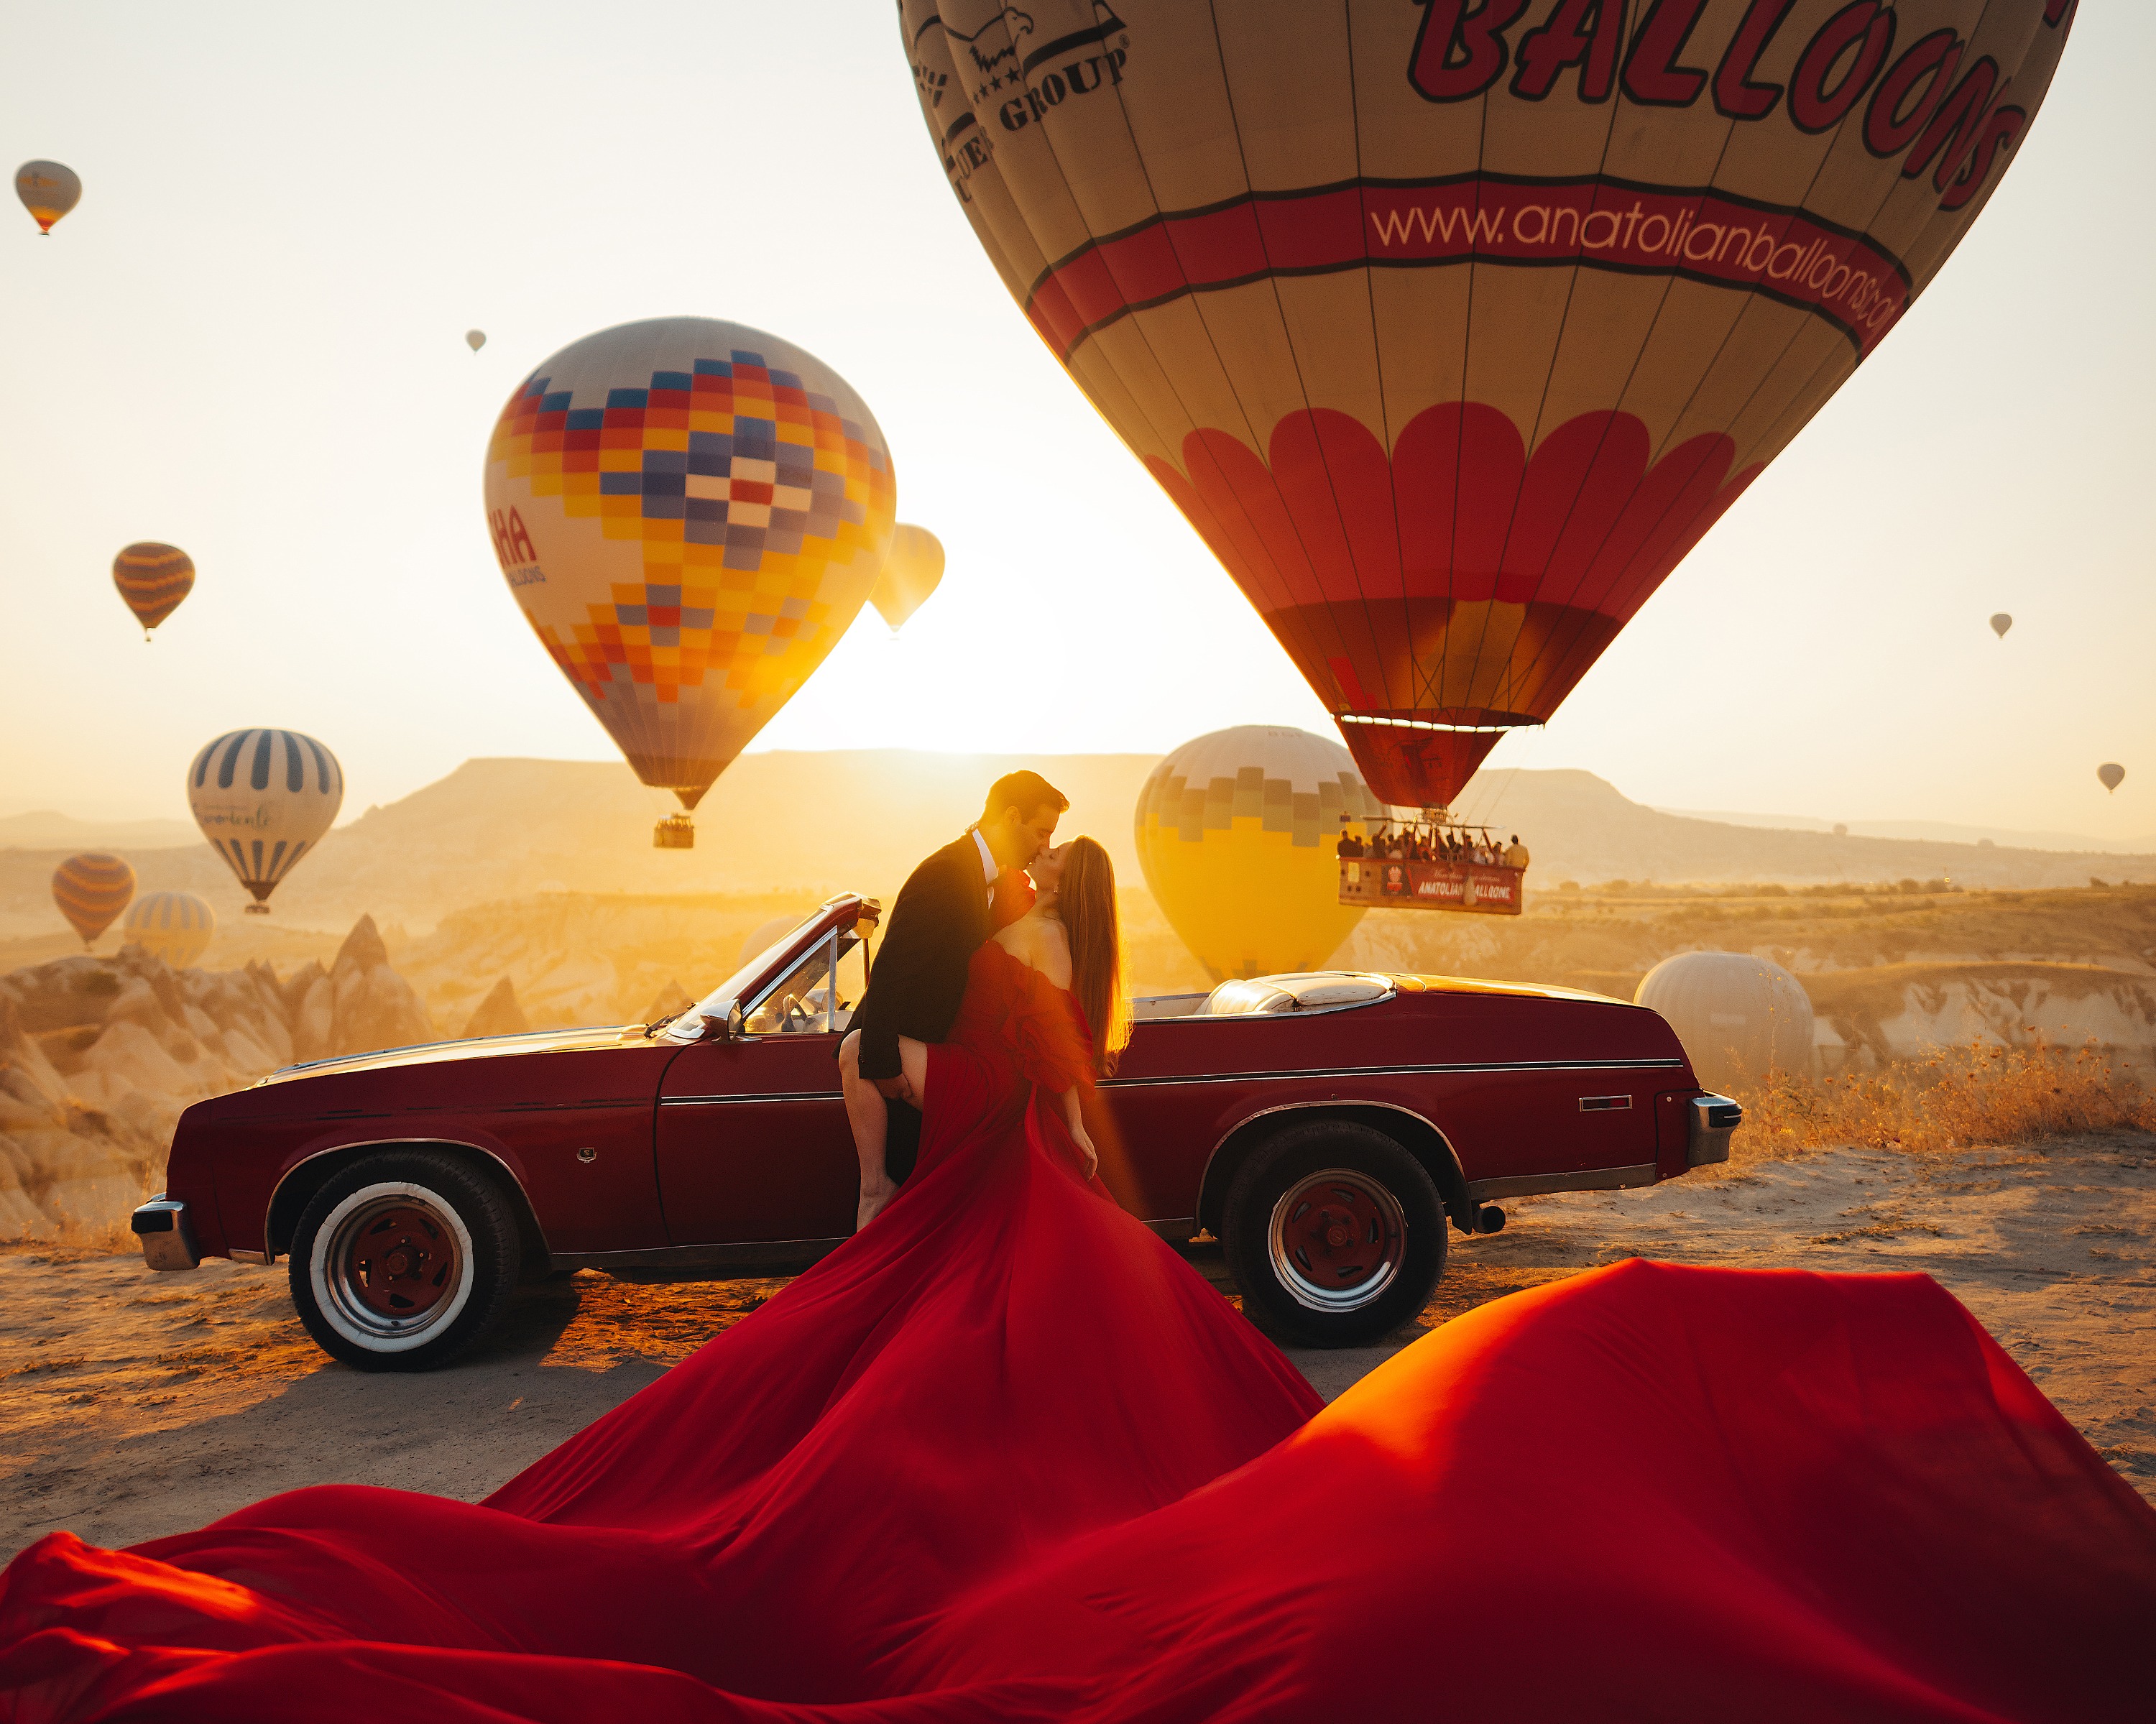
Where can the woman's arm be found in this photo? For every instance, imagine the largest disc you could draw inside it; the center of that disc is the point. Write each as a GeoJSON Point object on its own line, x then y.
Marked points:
{"type": "Point", "coordinates": [1075, 1117]}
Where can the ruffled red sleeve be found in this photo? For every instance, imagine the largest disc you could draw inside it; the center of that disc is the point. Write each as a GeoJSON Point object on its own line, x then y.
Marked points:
{"type": "Point", "coordinates": [1013, 1008]}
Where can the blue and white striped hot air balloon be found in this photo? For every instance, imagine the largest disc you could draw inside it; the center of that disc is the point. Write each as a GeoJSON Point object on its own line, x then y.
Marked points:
{"type": "Point", "coordinates": [176, 927]}
{"type": "Point", "coordinates": [264, 798]}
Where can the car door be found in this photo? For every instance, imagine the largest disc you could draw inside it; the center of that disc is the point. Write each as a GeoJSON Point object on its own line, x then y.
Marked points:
{"type": "Point", "coordinates": [752, 1139]}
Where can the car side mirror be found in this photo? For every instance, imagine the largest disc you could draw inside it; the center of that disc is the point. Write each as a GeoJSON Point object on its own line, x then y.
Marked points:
{"type": "Point", "coordinates": [730, 1028]}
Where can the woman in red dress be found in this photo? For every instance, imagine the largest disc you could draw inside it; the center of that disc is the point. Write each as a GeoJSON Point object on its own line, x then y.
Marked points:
{"type": "Point", "coordinates": [1005, 1457]}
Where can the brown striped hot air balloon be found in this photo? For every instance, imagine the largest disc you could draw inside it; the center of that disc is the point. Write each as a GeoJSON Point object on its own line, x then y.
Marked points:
{"type": "Point", "coordinates": [152, 579]}
{"type": "Point", "coordinates": [91, 890]}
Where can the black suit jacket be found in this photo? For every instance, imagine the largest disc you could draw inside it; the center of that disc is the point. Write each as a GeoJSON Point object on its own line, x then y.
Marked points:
{"type": "Point", "coordinates": [939, 922]}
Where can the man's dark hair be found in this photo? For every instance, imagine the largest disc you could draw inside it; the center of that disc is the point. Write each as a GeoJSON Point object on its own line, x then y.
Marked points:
{"type": "Point", "coordinates": [1025, 791]}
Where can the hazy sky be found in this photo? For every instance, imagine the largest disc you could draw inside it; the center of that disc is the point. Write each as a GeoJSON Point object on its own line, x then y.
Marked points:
{"type": "Point", "coordinates": [248, 341]}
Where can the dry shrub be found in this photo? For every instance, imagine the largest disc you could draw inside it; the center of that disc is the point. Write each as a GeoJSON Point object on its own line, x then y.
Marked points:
{"type": "Point", "coordinates": [1960, 1097]}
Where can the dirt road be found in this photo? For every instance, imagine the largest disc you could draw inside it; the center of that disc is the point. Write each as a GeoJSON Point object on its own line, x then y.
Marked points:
{"type": "Point", "coordinates": [133, 1405]}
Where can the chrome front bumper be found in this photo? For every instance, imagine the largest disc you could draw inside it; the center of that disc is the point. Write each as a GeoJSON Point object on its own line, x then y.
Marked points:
{"type": "Point", "coordinates": [167, 1237]}
{"type": "Point", "coordinates": [1713, 1119]}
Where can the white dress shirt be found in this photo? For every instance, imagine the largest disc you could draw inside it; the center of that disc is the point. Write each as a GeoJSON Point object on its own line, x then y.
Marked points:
{"type": "Point", "coordinates": [987, 864]}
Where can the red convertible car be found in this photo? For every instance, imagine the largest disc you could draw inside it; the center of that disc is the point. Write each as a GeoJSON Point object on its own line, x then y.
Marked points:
{"type": "Point", "coordinates": [1324, 1127]}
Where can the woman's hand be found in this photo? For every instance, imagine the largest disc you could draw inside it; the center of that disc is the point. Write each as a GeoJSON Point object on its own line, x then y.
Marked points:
{"type": "Point", "coordinates": [1086, 1148]}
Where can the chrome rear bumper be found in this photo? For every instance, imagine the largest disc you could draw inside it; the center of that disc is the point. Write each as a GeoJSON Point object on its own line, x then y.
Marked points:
{"type": "Point", "coordinates": [1713, 1119]}
{"type": "Point", "coordinates": [167, 1237]}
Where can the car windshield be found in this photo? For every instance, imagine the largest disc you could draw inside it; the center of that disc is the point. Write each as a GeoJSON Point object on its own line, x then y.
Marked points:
{"type": "Point", "coordinates": [688, 1025]}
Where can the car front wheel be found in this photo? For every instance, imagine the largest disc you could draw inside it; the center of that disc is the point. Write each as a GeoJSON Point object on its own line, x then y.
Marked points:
{"type": "Point", "coordinates": [1334, 1233]}
{"type": "Point", "coordinates": [404, 1259]}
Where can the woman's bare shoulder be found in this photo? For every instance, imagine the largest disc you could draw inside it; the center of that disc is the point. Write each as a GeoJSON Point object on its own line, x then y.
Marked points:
{"type": "Point", "coordinates": [1040, 944]}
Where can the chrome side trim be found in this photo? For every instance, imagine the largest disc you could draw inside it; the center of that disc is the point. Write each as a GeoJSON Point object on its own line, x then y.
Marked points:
{"type": "Point", "coordinates": [1333, 1103]}
{"type": "Point", "coordinates": [741, 1101]}
{"type": "Point", "coordinates": [1355, 1071]}
{"type": "Point", "coordinates": [1535, 1184]}
{"type": "Point", "coordinates": [744, 1256]}
{"type": "Point", "coordinates": [268, 1255]}
{"type": "Point", "coordinates": [1175, 1232]}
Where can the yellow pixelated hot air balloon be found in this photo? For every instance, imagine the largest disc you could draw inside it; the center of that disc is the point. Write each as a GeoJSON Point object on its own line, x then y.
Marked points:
{"type": "Point", "coordinates": [1452, 326]}
{"type": "Point", "coordinates": [48, 190]}
{"type": "Point", "coordinates": [1239, 834]}
{"type": "Point", "coordinates": [913, 571]}
{"type": "Point", "coordinates": [690, 513]}
{"type": "Point", "coordinates": [264, 798]}
{"type": "Point", "coordinates": [176, 927]}
{"type": "Point", "coordinates": [152, 579]}
{"type": "Point", "coordinates": [90, 889]}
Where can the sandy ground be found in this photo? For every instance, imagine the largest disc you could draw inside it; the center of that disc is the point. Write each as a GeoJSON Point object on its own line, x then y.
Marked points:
{"type": "Point", "coordinates": [133, 1405]}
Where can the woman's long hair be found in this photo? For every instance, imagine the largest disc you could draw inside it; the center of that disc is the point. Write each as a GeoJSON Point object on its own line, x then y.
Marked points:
{"type": "Point", "coordinates": [1085, 900]}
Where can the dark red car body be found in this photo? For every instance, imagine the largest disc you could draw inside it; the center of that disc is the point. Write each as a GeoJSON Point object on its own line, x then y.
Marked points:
{"type": "Point", "coordinates": [717, 1145]}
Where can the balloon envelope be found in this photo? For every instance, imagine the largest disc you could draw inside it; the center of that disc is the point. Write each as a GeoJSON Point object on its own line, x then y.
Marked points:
{"type": "Point", "coordinates": [2111, 774]}
{"type": "Point", "coordinates": [1451, 329]}
{"type": "Point", "coordinates": [90, 889]}
{"type": "Point", "coordinates": [690, 513]}
{"type": "Point", "coordinates": [1738, 1016]}
{"type": "Point", "coordinates": [912, 571]}
{"type": "Point", "coordinates": [264, 798]}
{"type": "Point", "coordinates": [152, 579]}
{"type": "Point", "coordinates": [48, 190]}
{"type": "Point", "coordinates": [1239, 834]}
{"type": "Point", "coordinates": [176, 927]}
{"type": "Point", "coordinates": [475, 338]}
{"type": "Point", "coordinates": [2000, 624]}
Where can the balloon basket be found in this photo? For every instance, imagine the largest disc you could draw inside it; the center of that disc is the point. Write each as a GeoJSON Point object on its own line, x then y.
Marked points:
{"type": "Point", "coordinates": [258, 910]}
{"type": "Point", "coordinates": [1436, 864]}
{"type": "Point", "coordinates": [676, 832]}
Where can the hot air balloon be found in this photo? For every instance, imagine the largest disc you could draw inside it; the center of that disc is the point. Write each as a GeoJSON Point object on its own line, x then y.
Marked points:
{"type": "Point", "coordinates": [1451, 328]}
{"type": "Point", "coordinates": [913, 570]}
{"type": "Point", "coordinates": [264, 798]}
{"type": "Point", "coordinates": [1738, 1016]}
{"type": "Point", "coordinates": [152, 579]}
{"type": "Point", "coordinates": [2111, 775]}
{"type": "Point", "coordinates": [48, 190]}
{"type": "Point", "coordinates": [1238, 833]}
{"type": "Point", "coordinates": [90, 889]}
{"type": "Point", "coordinates": [2000, 624]}
{"type": "Point", "coordinates": [690, 514]}
{"type": "Point", "coordinates": [475, 338]}
{"type": "Point", "coordinates": [176, 927]}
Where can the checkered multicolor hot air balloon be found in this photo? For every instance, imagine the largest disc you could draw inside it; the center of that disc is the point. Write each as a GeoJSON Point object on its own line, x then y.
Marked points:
{"type": "Point", "coordinates": [1239, 833]}
{"type": "Point", "coordinates": [1451, 325]}
{"type": "Point", "coordinates": [90, 889]}
{"type": "Point", "coordinates": [176, 927]}
{"type": "Point", "coordinates": [152, 579]}
{"type": "Point", "coordinates": [264, 798]}
{"type": "Point", "coordinates": [690, 513]}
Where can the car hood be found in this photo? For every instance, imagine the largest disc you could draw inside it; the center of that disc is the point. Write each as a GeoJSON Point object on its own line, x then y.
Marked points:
{"type": "Point", "coordinates": [536, 1041]}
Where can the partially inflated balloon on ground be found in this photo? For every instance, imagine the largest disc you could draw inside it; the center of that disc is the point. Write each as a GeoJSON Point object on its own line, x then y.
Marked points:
{"type": "Point", "coordinates": [176, 927]}
{"type": "Point", "coordinates": [48, 190]}
{"type": "Point", "coordinates": [1451, 328]}
{"type": "Point", "coordinates": [152, 579]}
{"type": "Point", "coordinates": [2111, 774]}
{"type": "Point", "coordinates": [475, 338]}
{"type": "Point", "coordinates": [690, 513]}
{"type": "Point", "coordinates": [1239, 834]}
{"type": "Point", "coordinates": [1738, 1016]}
{"type": "Point", "coordinates": [2000, 624]}
{"type": "Point", "coordinates": [264, 798]}
{"type": "Point", "coordinates": [90, 889]}
{"type": "Point", "coordinates": [910, 573]}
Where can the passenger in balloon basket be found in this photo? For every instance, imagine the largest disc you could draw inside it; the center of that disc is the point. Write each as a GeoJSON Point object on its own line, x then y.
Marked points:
{"type": "Point", "coordinates": [947, 909]}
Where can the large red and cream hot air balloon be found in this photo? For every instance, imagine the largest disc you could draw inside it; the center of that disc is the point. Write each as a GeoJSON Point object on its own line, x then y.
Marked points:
{"type": "Point", "coordinates": [1452, 325]}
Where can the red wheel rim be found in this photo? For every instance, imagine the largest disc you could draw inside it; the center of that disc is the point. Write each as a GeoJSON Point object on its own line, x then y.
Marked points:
{"type": "Point", "coordinates": [1337, 1239]}
{"type": "Point", "coordinates": [401, 1261]}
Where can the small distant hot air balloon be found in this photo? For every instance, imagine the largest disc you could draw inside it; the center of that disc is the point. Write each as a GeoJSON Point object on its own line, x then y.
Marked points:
{"type": "Point", "coordinates": [475, 338]}
{"type": "Point", "coordinates": [2000, 624]}
{"type": "Point", "coordinates": [690, 513]}
{"type": "Point", "coordinates": [48, 190]}
{"type": "Point", "coordinates": [264, 798]}
{"type": "Point", "coordinates": [1239, 834]}
{"type": "Point", "coordinates": [90, 889]}
{"type": "Point", "coordinates": [152, 579]}
{"type": "Point", "coordinates": [176, 927]}
{"type": "Point", "coordinates": [1452, 328]}
{"type": "Point", "coordinates": [913, 570]}
{"type": "Point", "coordinates": [2111, 774]}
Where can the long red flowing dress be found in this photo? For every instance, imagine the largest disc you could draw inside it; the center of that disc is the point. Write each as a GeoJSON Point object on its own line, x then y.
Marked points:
{"type": "Point", "coordinates": [1004, 1456]}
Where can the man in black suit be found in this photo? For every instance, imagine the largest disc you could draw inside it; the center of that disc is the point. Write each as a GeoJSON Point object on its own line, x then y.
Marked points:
{"type": "Point", "coordinates": [947, 908]}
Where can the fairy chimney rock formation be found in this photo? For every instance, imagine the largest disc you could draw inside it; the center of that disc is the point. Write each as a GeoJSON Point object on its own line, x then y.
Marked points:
{"type": "Point", "coordinates": [370, 1005]}
{"type": "Point", "coordinates": [498, 1014]}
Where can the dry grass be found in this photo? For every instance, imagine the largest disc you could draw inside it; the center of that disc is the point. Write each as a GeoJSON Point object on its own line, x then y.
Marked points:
{"type": "Point", "coordinates": [1958, 1099]}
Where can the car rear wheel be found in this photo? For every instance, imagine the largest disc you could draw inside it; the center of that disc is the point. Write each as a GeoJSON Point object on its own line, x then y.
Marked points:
{"type": "Point", "coordinates": [404, 1259]}
{"type": "Point", "coordinates": [1334, 1233]}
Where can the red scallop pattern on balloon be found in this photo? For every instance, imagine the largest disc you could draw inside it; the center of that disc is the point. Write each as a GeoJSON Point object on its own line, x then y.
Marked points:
{"type": "Point", "coordinates": [1461, 581]}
